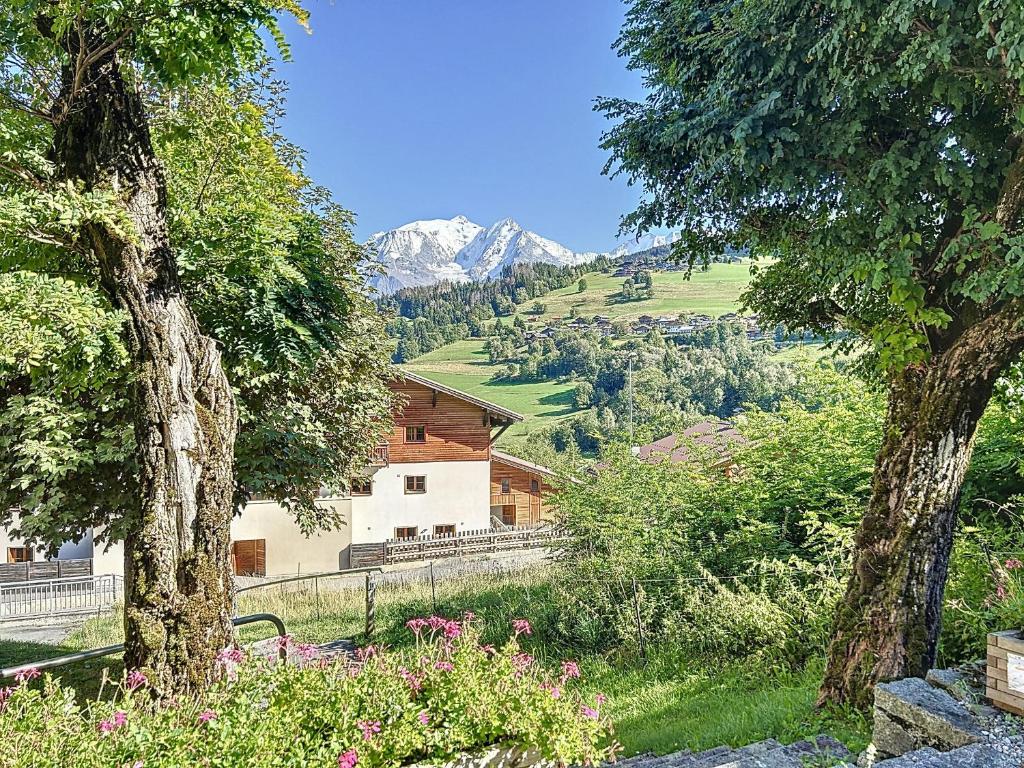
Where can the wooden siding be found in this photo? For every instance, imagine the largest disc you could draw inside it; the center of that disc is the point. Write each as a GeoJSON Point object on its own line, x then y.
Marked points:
{"type": "Point", "coordinates": [530, 508]}
{"type": "Point", "coordinates": [250, 557]}
{"type": "Point", "coordinates": [456, 430]}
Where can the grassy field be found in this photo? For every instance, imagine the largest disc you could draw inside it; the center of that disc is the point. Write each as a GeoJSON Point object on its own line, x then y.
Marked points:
{"type": "Point", "coordinates": [464, 365]}
{"type": "Point", "coordinates": [662, 704]}
{"type": "Point", "coordinates": [714, 292]}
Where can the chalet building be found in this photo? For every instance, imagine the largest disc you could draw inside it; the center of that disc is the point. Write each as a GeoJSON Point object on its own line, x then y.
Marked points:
{"type": "Point", "coordinates": [518, 491]}
{"type": "Point", "coordinates": [436, 474]}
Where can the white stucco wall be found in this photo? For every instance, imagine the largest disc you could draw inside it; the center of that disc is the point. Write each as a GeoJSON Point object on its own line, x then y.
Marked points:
{"type": "Point", "coordinates": [288, 551]}
{"type": "Point", "coordinates": [107, 560]}
{"type": "Point", "coordinates": [458, 493]}
{"type": "Point", "coordinates": [68, 550]}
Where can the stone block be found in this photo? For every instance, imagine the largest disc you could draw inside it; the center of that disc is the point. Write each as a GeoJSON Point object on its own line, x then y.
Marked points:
{"type": "Point", "coordinates": [910, 714]}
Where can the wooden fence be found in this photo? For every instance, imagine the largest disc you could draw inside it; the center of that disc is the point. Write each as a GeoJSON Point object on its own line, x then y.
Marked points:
{"type": "Point", "coordinates": [11, 573]}
{"type": "Point", "coordinates": [460, 545]}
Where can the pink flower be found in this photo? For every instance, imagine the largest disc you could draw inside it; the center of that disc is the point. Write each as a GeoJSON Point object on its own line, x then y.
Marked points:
{"type": "Point", "coordinates": [207, 715]}
{"type": "Point", "coordinates": [468, 616]}
{"type": "Point", "coordinates": [588, 712]}
{"type": "Point", "coordinates": [348, 759]}
{"type": "Point", "coordinates": [424, 718]}
{"type": "Point", "coordinates": [490, 650]}
{"type": "Point", "coordinates": [138, 764]}
{"type": "Point", "coordinates": [307, 651]}
{"type": "Point", "coordinates": [1000, 591]}
{"type": "Point", "coordinates": [365, 653]}
{"type": "Point", "coordinates": [369, 728]}
{"type": "Point", "coordinates": [135, 679]}
{"type": "Point", "coordinates": [521, 662]}
{"type": "Point", "coordinates": [436, 622]}
{"type": "Point", "coordinates": [570, 670]}
{"type": "Point", "coordinates": [283, 642]}
{"type": "Point", "coordinates": [416, 625]}
{"type": "Point", "coordinates": [444, 666]}
{"type": "Point", "coordinates": [522, 627]}
{"type": "Point", "coordinates": [106, 727]}
{"type": "Point", "coordinates": [411, 679]}
{"type": "Point", "coordinates": [231, 656]}
{"type": "Point", "coordinates": [5, 695]}
{"type": "Point", "coordinates": [600, 699]}
{"type": "Point", "coordinates": [1013, 564]}
{"type": "Point", "coordinates": [27, 674]}
{"type": "Point", "coordinates": [452, 630]}
{"type": "Point", "coordinates": [555, 693]}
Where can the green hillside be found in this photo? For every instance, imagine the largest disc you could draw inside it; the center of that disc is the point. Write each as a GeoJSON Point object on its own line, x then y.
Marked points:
{"type": "Point", "coordinates": [714, 292]}
{"type": "Point", "coordinates": [464, 364]}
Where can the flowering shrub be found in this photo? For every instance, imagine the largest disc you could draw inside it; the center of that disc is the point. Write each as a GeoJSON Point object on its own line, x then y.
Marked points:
{"type": "Point", "coordinates": [445, 696]}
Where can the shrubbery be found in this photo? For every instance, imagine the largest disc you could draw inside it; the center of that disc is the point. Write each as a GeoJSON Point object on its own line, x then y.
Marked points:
{"type": "Point", "coordinates": [445, 696]}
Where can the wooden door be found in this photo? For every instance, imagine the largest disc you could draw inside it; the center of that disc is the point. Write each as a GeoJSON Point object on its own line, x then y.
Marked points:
{"type": "Point", "coordinates": [250, 557]}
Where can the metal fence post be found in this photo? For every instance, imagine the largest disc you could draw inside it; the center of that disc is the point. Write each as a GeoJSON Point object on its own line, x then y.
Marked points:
{"type": "Point", "coordinates": [639, 622]}
{"type": "Point", "coordinates": [433, 589]}
{"type": "Point", "coordinates": [371, 607]}
{"type": "Point", "coordinates": [316, 586]}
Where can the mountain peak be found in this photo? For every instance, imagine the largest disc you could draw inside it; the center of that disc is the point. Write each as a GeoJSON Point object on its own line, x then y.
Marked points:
{"type": "Point", "coordinates": [429, 251]}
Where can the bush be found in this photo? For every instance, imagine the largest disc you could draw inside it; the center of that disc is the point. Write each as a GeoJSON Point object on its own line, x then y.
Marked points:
{"type": "Point", "coordinates": [445, 696]}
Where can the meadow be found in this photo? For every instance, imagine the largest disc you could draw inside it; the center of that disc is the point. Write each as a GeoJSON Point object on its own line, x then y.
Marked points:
{"type": "Point", "coordinates": [714, 292]}
{"type": "Point", "coordinates": [660, 703]}
{"type": "Point", "coordinates": [465, 365]}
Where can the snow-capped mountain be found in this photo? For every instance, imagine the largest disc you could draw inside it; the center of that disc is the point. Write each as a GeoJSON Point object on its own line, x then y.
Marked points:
{"type": "Point", "coordinates": [633, 245]}
{"type": "Point", "coordinates": [427, 252]}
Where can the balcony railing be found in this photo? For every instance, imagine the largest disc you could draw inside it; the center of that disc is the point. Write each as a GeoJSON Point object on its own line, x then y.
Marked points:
{"type": "Point", "coordinates": [379, 456]}
{"type": "Point", "coordinates": [502, 499]}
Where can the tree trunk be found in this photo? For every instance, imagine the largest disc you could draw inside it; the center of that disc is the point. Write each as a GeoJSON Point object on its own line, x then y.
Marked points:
{"type": "Point", "coordinates": [178, 584]}
{"type": "Point", "coordinates": [887, 626]}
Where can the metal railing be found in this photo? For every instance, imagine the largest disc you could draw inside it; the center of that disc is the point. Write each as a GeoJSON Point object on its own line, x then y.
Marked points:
{"type": "Point", "coordinates": [109, 650]}
{"type": "Point", "coordinates": [28, 599]}
{"type": "Point", "coordinates": [469, 543]}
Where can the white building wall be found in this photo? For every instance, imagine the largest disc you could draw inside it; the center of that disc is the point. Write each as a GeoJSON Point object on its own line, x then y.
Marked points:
{"type": "Point", "coordinates": [458, 493]}
{"type": "Point", "coordinates": [288, 551]}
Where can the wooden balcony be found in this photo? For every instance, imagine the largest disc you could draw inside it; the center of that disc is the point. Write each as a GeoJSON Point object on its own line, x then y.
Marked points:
{"type": "Point", "coordinates": [379, 456]}
{"type": "Point", "coordinates": [501, 499]}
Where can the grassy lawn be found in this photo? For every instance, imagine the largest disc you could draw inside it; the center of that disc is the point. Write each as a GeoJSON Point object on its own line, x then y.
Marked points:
{"type": "Point", "coordinates": [661, 705]}
{"type": "Point", "coordinates": [714, 292]}
{"type": "Point", "coordinates": [464, 365]}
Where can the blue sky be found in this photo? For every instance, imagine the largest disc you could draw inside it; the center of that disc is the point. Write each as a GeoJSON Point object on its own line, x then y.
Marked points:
{"type": "Point", "coordinates": [413, 109]}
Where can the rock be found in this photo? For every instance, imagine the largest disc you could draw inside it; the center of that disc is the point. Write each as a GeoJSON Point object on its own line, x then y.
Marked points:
{"type": "Point", "coordinates": [983, 710]}
{"type": "Point", "coordinates": [954, 683]}
{"type": "Point", "coordinates": [910, 714]}
{"type": "Point", "coordinates": [972, 756]}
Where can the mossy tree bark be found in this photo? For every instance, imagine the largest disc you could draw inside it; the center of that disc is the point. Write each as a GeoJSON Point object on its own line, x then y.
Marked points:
{"type": "Point", "coordinates": [178, 587]}
{"type": "Point", "coordinates": [887, 626]}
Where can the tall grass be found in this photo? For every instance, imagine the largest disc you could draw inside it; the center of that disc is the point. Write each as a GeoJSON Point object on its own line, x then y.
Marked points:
{"type": "Point", "coordinates": [662, 703]}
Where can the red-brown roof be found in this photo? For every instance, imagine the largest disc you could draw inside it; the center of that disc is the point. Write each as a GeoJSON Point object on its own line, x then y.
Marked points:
{"type": "Point", "coordinates": [718, 436]}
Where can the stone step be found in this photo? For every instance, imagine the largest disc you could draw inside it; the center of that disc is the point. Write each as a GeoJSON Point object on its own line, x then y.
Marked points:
{"type": "Point", "coordinates": [763, 754]}
{"type": "Point", "coordinates": [972, 756]}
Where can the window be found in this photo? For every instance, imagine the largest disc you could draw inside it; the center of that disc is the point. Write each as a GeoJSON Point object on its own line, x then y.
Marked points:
{"type": "Point", "coordinates": [415, 434]}
{"type": "Point", "coordinates": [408, 532]}
{"type": "Point", "coordinates": [362, 486]}
{"type": "Point", "coordinates": [534, 487]}
{"type": "Point", "coordinates": [250, 557]}
{"type": "Point", "coordinates": [19, 554]}
{"type": "Point", "coordinates": [415, 483]}
{"type": "Point", "coordinates": [506, 485]}
{"type": "Point", "coordinates": [444, 530]}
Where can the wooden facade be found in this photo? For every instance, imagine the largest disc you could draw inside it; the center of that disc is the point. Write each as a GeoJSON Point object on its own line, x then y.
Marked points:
{"type": "Point", "coordinates": [455, 430]}
{"type": "Point", "coordinates": [518, 491]}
